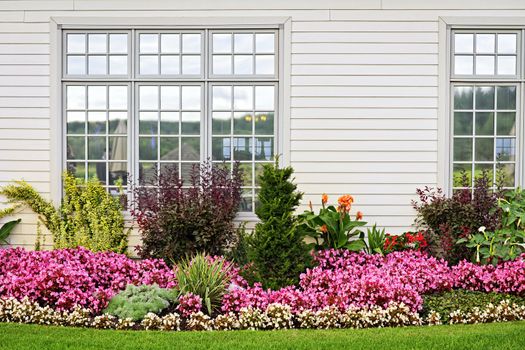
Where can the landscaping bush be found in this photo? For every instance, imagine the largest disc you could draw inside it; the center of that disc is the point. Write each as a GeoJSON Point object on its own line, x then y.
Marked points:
{"type": "Point", "coordinates": [464, 301]}
{"type": "Point", "coordinates": [276, 247]}
{"type": "Point", "coordinates": [448, 219]}
{"type": "Point", "coordinates": [178, 219]}
{"type": "Point", "coordinates": [405, 241]}
{"type": "Point", "coordinates": [65, 278]}
{"type": "Point", "coordinates": [88, 216]}
{"type": "Point", "coordinates": [135, 302]}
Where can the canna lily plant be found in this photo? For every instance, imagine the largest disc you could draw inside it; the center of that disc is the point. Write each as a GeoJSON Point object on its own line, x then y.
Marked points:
{"type": "Point", "coordinates": [333, 227]}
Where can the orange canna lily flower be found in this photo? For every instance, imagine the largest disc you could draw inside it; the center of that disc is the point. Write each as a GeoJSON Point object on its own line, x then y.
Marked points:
{"type": "Point", "coordinates": [346, 201]}
{"type": "Point", "coordinates": [324, 198]}
{"type": "Point", "coordinates": [324, 229]}
{"type": "Point", "coordinates": [359, 215]}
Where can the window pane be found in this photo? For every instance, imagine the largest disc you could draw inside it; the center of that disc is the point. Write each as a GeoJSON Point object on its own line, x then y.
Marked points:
{"type": "Point", "coordinates": [190, 148]}
{"type": "Point", "coordinates": [505, 149]}
{"type": "Point", "coordinates": [147, 172]}
{"type": "Point", "coordinates": [506, 123]}
{"type": "Point", "coordinates": [149, 43]}
{"type": "Point", "coordinates": [484, 150]}
{"type": "Point", "coordinates": [118, 148]}
{"type": "Point", "coordinates": [97, 43]}
{"type": "Point", "coordinates": [222, 64]}
{"type": "Point", "coordinates": [463, 43]}
{"type": "Point", "coordinates": [148, 148]}
{"type": "Point", "coordinates": [222, 97]}
{"type": "Point", "coordinates": [264, 123]}
{"type": "Point", "coordinates": [487, 168]}
{"type": "Point", "coordinates": [169, 123]}
{"type": "Point", "coordinates": [97, 170]}
{"type": "Point", "coordinates": [191, 65]}
{"type": "Point", "coordinates": [242, 123]}
{"type": "Point", "coordinates": [191, 43]}
{"type": "Point", "coordinates": [169, 97]}
{"type": "Point", "coordinates": [484, 123]}
{"type": "Point", "coordinates": [190, 123]}
{"type": "Point", "coordinates": [97, 65]}
{"type": "Point", "coordinates": [221, 148]}
{"type": "Point", "coordinates": [463, 65]}
{"type": "Point", "coordinates": [264, 97]}
{"type": "Point", "coordinates": [170, 43]}
{"type": "Point", "coordinates": [118, 65]}
{"type": "Point", "coordinates": [463, 123]}
{"type": "Point", "coordinates": [149, 65]}
{"type": "Point", "coordinates": [243, 98]}
{"type": "Point", "coordinates": [76, 97]}
{"type": "Point", "coordinates": [485, 97]}
{"type": "Point", "coordinates": [97, 122]}
{"type": "Point", "coordinates": [264, 43]}
{"type": "Point", "coordinates": [485, 65]}
{"type": "Point", "coordinates": [76, 122]}
{"type": "Point", "coordinates": [246, 200]}
{"type": "Point", "coordinates": [462, 149]}
{"type": "Point", "coordinates": [191, 98]}
{"type": "Point", "coordinates": [118, 171]}
{"type": "Point", "coordinates": [264, 64]}
{"type": "Point", "coordinates": [169, 148]}
{"type": "Point", "coordinates": [247, 173]}
{"type": "Point", "coordinates": [75, 147]}
{"type": "Point", "coordinates": [76, 65]}
{"type": "Point", "coordinates": [149, 97]}
{"type": "Point", "coordinates": [76, 43]}
{"type": "Point", "coordinates": [118, 43]}
{"type": "Point", "coordinates": [118, 97]}
{"type": "Point", "coordinates": [221, 123]}
{"type": "Point", "coordinates": [118, 123]}
{"type": "Point", "coordinates": [243, 64]}
{"type": "Point", "coordinates": [507, 171]}
{"type": "Point", "coordinates": [97, 97]}
{"type": "Point", "coordinates": [458, 172]}
{"type": "Point", "coordinates": [263, 148]}
{"type": "Point", "coordinates": [78, 169]}
{"type": "Point", "coordinates": [170, 65]}
{"type": "Point", "coordinates": [507, 65]}
{"type": "Point", "coordinates": [485, 43]}
{"type": "Point", "coordinates": [96, 147]}
{"type": "Point", "coordinates": [243, 43]}
{"type": "Point", "coordinates": [222, 43]}
{"type": "Point", "coordinates": [148, 123]}
{"type": "Point", "coordinates": [242, 148]}
{"type": "Point", "coordinates": [507, 43]}
{"type": "Point", "coordinates": [506, 97]}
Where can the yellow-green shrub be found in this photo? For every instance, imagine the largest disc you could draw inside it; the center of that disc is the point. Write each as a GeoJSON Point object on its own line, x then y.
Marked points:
{"type": "Point", "coordinates": [88, 216]}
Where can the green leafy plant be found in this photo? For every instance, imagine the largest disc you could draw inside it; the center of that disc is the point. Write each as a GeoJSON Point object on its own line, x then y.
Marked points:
{"type": "Point", "coordinates": [276, 247]}
{"type": "Point", "coordinates": [376, 240]}
{"type": "Point", "coordinates": [6, 229]}
{"type": "Point", "coordinates": [136, 301]}
{"type": "Point", "coordinates": [88, 216]}
{"type": "Point", "coordinates": [204, 277]}
{"type": "Point", "coordinates": [333, 227]}
{"type": "Point", "coordinates": [463, 300]}
{"type": "Point", "coordinates": [512, 206]}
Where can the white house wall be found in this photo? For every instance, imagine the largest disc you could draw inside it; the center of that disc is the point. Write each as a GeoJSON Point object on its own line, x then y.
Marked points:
{"type": "Point", "coordinates": [363, 98]}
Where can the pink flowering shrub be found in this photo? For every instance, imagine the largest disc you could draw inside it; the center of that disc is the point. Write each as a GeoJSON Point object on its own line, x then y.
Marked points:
{"type": "Point", "coordinates": [188, 304]}
{"type": "Point", "coordinates": [66, 278]}
{"type": "Point", "coordinates": [507, 277]}
{"type": "Point", "coordinates": [345, 279]}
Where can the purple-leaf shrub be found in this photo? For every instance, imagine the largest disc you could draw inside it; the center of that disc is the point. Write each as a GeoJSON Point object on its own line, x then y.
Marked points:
{"type": "Point", "coordinates": [66, 278]}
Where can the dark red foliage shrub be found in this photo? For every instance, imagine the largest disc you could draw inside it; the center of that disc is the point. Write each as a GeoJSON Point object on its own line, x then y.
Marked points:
{"type": "Point", "coordinates": [176, 219]}
{"type": "Point", "coordinates": [447, 219]}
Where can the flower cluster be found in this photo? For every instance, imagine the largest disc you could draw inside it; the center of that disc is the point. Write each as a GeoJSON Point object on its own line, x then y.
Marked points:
{"type": "Point", "coordinates": [405, 241]}
{"type": "Point", "coordinates": [188, 304]}
{"type": "Point", "coordinates": [344, 279]}
{"type": "Point", "coordinates": [66, 278]}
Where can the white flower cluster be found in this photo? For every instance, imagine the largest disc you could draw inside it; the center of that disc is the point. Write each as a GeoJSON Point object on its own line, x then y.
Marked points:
{"type": "Point", "coordinates": [504, 311]}
{"type": "Point", "coordinates": [199, 322]}
{"type": "Point", "coordinates": [226, 322]}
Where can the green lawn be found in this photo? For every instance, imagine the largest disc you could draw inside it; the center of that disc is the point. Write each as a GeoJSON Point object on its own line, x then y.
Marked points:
{"type": "Point", "coordinates": [478, 337]}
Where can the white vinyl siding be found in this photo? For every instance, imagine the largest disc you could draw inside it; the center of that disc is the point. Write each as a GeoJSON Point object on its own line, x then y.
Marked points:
{"type": "Point", "coordinates": [363, 97]}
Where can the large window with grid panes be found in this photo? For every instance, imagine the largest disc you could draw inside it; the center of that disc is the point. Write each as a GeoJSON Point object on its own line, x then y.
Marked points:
{"type": "Point", "coordinates": [486, 85]}
{"type": "Point", "coordinates": [138, 100]}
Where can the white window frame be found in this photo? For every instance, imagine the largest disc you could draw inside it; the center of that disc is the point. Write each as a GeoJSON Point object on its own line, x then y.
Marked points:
{"type": "Point", "coordinates": [281, 25]}
{"type": "Point", "coordinates": [446, 79]}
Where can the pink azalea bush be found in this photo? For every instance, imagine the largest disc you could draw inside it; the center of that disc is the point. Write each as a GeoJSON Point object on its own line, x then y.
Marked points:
{"type": "Point", "coordinates": [65, 278]}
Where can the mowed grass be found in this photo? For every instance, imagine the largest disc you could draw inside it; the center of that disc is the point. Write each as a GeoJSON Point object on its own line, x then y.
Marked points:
{"type": "Point", "coordinates": [509, 335]}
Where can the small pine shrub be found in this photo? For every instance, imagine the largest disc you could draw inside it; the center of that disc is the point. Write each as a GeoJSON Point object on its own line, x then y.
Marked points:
{"type": "Point", "coordinates": [465, 301]}
{"type": "Point", "coordinates": [88, 216]}
{"type": "Point", "coordinates": [178, 219]}
{"type": "Point", "coordinates": [135, 302]}
{"type": "Point", "coordinates": [277, 248]}
{"type": "Point", "coordinates": [205, 278]}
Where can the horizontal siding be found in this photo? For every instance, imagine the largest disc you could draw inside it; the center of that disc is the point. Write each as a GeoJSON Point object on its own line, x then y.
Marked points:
{"type": "Point", "coordinates": [364, 92]}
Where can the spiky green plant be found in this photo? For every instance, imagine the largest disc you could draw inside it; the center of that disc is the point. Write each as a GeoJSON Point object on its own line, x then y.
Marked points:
{"type": "Point", "coordinates": [376, 240]}
{"type": "Point", "coordinates": [135, 302]}
{"type": "Point", "coordinates": [203, 277]}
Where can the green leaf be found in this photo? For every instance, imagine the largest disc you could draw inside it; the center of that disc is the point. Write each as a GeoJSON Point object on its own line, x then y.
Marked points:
{"type": "Point", "coordinates": [356, 245]}
{"type": "Point", "coordinates": [6, 229]}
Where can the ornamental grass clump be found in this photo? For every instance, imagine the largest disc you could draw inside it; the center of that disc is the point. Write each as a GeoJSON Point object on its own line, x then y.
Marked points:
{"type": "Point", "coordinates": [178, 218]}
{"type": "Point", "coordinates": [88, 215]}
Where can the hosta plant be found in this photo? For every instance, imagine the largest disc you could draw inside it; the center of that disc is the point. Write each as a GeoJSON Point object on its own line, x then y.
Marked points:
{"type": "Point", "coordinates": [333, 227]}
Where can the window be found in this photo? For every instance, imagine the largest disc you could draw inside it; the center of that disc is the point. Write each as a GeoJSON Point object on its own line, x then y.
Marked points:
{"type": "Point", "coordinates": [486, 83]}
{"type": "Point", "coordinates": [135, 101]}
